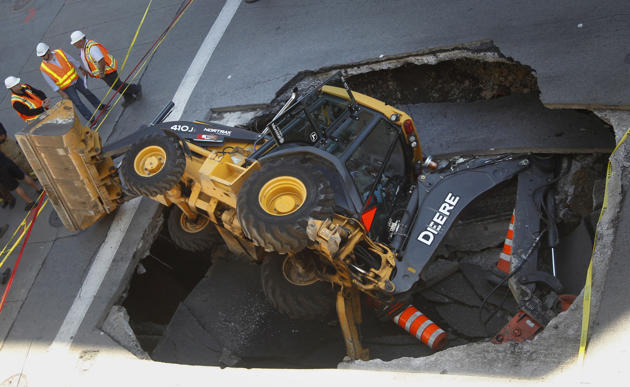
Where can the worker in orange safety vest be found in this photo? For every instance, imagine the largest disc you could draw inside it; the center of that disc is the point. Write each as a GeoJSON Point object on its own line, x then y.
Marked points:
{"type": "Point", "coordinates": [27, 101]}
{"type": "Point", "coordinates": [101, 64]}
{"type": "Point", "coordinates": [60, 72]}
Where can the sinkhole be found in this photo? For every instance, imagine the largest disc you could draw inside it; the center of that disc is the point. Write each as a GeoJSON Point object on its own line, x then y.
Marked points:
{"type": "Point", "coordinates": [208, 308]}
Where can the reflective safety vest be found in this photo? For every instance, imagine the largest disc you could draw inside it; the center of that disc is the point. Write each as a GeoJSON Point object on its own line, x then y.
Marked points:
{"type": "Point", "coordinates": [64, 74]}
{"type": "Point", "coordinates": [30, 100]}
{"type": "Point", "coordinates": [110, 62]}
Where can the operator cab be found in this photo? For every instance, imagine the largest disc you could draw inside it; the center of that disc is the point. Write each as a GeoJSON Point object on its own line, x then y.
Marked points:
{"type": "Point", "coordinates": [370, 156]}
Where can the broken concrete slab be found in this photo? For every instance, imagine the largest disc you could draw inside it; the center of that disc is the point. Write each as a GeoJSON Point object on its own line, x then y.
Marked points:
{"type": "Point", "coordinates": [457, 288]}
{"type": "Point", "coordinates": [116, 325]}
{"type": "Point", "coordinates": [437, 271]}
{"type": "Point", "coordinates": [518, 123]}
{"type": "Point", "coordinates": [243, 329]}
{"type": "Point", "coordinates": [608, 345]}
{"type": "Point", "coordinates": [468, 322]}
{"type": "Point", "coordinates": [478, 278]}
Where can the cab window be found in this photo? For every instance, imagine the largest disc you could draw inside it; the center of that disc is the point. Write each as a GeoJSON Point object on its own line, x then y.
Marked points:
{"type": "Point", "coordinates": [327, 112]}
{"type": "Point", "coordinates": [344, 135]}
{"type": "Point", "coordinates": [322, 115]}
{"type": "Point", "coordinates": [378, 170]}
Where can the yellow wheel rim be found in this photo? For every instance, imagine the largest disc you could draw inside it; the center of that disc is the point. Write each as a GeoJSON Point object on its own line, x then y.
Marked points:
{"type": "Point", "coordinates": [193, 226]}
{"type": "Point", "coordinates": [150, 161]}
{"type": "Point", "coordinates": [282, 195]}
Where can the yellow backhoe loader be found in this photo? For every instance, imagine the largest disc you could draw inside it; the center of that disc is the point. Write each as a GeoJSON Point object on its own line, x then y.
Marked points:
{"type": "Point", "coordinates": [334, 195]}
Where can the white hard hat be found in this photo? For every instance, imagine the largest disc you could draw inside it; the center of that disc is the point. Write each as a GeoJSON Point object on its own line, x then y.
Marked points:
{"type": "Point", "coordinates": [11, 81]}
{"type": "Point", "coordinates": [76, 36]}
{"type": "Point", "coordinates": [42, 48]}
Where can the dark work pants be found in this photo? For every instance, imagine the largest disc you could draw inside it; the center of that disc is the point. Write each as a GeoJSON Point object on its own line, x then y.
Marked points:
{"type": "Point", "coordinates": [114, 83]}
{"type": "Point", "coordinates": [73, 93]}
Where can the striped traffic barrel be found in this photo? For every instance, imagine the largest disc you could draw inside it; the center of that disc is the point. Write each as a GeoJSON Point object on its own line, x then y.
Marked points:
{"type": "Point", "coordinates": [418, 325]}
{"type": "Point", "coordinates": [505, 257]}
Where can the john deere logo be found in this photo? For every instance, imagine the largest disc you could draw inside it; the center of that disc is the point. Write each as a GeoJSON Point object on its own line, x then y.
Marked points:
{"type": "Point", "coordinates": [441, 216]}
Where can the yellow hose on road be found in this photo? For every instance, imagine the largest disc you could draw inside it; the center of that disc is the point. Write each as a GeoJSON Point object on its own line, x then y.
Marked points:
{"type": "Point", "coordinates": [146, 58]}
{"type": "Point", "coordinates": [12, 242]}
{"type": "Point", "coordinates": [122, 67]}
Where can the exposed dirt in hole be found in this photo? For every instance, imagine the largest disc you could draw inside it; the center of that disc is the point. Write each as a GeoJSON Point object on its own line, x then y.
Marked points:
{"type": "Point", "coordinates": [460, 80]}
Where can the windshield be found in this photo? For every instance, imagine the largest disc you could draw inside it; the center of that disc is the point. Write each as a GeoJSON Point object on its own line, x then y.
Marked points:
{"type": "Point", "coordinates": [322, 119]}
{"type": "Point", "coordinates": [313, 114]}
{"type": "Point", "coordinates": [313, 122]}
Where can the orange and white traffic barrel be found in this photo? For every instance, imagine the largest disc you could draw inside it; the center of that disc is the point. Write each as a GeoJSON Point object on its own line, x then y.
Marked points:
{"type": "Point", "coordinates": [504, 264]}
{"type": "Point", "coordinates": [418, 325]}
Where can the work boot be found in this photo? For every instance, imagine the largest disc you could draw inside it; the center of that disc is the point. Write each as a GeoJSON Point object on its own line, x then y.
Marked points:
{"type": "Point", "coordinates": [29, 206]}
{"type": "Point", "coordinates": [6, 274]}
{"type": "Point", "coordinates": [138, 93]}
{"type": "Point", "coordinates": [3, 229]}
{"type": "Point", "coordinates": [128, 101]}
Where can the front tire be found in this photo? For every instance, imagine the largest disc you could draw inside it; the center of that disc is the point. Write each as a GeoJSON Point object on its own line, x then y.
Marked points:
{"type": "Point", "coordinates": [276, 202]}
{"type": "Point", "coordinates": [153, 165]}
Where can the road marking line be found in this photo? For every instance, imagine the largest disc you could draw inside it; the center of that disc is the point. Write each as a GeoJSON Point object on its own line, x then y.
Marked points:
{"type": "Point", "coordinates": [122, 220]}
{"type": "Point", "coordinates": [200, 61]}
{"type": "Point", "coordinates": [95, 276]}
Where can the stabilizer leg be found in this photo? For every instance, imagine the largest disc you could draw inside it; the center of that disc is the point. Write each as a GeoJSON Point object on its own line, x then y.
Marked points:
{"type": "Point", "coordinates": [349, 312]}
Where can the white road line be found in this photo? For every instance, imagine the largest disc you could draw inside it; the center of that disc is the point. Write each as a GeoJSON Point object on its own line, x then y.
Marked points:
{"type": "Point", "coordinates": [201, 59]}
{"type": "Point", "coordinates": [122, 220]}
{"type": "Point", "coordinates": [95, 276]}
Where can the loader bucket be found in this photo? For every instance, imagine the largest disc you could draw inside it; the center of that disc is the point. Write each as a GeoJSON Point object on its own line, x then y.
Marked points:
{"type": "Point", "coordinates": [66, 158]}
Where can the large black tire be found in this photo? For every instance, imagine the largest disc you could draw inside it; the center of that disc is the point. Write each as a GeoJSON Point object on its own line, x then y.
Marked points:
{"type": "Point", "coordinates": [191, 236]}
{"type": "Point", "coordinates": [283, 232]}
{"type": "Point", "coordinates": [164, 175]}
{"type": "Point", "coordinates": [309, 302]}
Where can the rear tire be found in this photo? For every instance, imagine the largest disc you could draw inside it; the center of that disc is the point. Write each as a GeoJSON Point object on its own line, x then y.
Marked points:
{"type": "Point", "coordinates": [276, 202]}
{"type": "Point", "coordinates": [308, 302]}
{"type": "Point", "coordinates": [153, 165]}
{"type": "Point", "coordinates": [191, 236]}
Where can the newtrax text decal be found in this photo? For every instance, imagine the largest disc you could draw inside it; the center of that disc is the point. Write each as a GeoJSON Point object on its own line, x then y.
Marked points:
{"type": "Point", "coordinates": [221, 132]}
{"type": "Point", "coordinates": [439, 219]}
